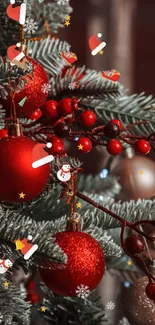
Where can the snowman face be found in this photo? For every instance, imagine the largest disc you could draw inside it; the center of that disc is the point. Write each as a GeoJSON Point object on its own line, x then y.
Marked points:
{"type": "Point", "coordinates": [8, 263]}
{"type": "Point", "coordinates": [66, 168]}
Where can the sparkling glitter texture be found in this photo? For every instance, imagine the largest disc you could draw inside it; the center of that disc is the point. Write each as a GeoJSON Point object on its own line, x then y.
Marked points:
{"type": "Point", "coordinates": [140, 310]}
{"type": "Point", "coordinates": [85, 265]}
{"type": "Point", "coordinates": [32, 90]}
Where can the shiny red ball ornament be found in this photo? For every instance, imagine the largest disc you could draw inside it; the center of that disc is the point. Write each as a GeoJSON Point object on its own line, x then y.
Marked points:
{"type": "Point", "coordinates": [150, 291]}
{"type": "Point", "coordinates": [67, 106]}
{"type": "Point", "coordinates": [49, 109]}
{"type": "Point", "coordinates": [134, 244]}
{"type": "Point", "coordinates": [142, 147]}
{"type": "Point", "coordinates": [84, 144]}
{"type": "Point", "coordinates": [84, 268]}
{"type": "Point", "coordinates": [4, 133]}
{"type": "Point", "coordinates": [118, 122]}
{"type": "Point", "coordinates": [52, 138]}
{"type": "Point", "coordinates": [21, 182]}
{"type": "Point", "coordinates": [57, 149]}
{"type": "Point", "coordinates": [35, 115]}
{"type": "Point", "coordinates": [88, 118]}
{"type": "Point", "coordinates": [34, 91]}
{"type": "Point", "coordinates": [114, 147]}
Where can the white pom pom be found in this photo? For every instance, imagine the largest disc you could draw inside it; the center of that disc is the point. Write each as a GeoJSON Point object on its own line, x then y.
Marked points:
{"type": "Point", "coordinates": [12, 2]}
{"type": "Point", "coordinates": [29, 237]}
{"type": "Point", "coordinates": [99, 35]}
{"type": "Point", "coordinates": [49, 145]}
{"type": "Point", "coordinates": [18, 44]}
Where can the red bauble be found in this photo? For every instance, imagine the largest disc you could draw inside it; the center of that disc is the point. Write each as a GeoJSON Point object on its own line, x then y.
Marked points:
{"type": "Point", "coordinates": [34, 89]}
{"type": "Point", "coordinates": [16, 172]}
{"type": "Point", "coordinates": [57, 149]}
{"type": "Point", "coordinates": [134, 244]}
{"type": "Point", "coordinates": [3, 133]}
{"type": "Point", "coordinates": [150, 291]}
{"type": "Point", "coordinates": [114, 147]}
{"type": "Point", "coordinates": [118, 122]}
{"type": "Point", "coordinates": [84, 144]}
{"type": "Point", "coordinates": [35, 115]}
{"type": "Point", "coordinates": [142, 147]}
{"type": "Point", "coordinates": [52, 138]}
{"type": "Point", "coordinates": [49, 109]}
{"type": "Point", "coordinates": [85, 265]}
{"type": "Point", "coordinates": [67, 106]}
{"type": "Point", "coordinates": [88, 118]}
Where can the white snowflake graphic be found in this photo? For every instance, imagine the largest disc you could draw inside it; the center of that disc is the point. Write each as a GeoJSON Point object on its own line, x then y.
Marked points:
{"type": "Point", "coordinates": [62, 2]}
{"type": "Point", "coordinates": [45, 88]}
{"type": "Point", "coordinates": [72, 85]}
{"type": "Point", "coordinates": [30, 26]}
{"type": "Point", "coordinates": [82, 291]}
{"type": "Point", "coordinates": [110, 305]}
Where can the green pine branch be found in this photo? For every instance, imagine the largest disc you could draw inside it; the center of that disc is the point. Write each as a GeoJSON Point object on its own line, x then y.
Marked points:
{"type": "Point", "coordinates": [13, 308]}
{"type": "Point", "coordinates": [73, 311]}
{"type": "Point", "coordinates": [127, 109]}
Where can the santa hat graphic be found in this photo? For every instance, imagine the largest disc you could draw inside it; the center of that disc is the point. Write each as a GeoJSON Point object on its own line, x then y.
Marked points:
{"type": "Point", "coordinates": [28, 248]}
{"type": "Point", "coordinates": [95, 44]}
{"type": "Point", "coordinates": [17, 13]}
{"type": "Point", "coordinates": [15, 54]}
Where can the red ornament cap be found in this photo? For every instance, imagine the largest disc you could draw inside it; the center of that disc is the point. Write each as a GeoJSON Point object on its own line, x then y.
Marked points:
{"type": "Point", "coordinates": [142, 147]}
{"type": "Point", "coordinates": [114, 147]}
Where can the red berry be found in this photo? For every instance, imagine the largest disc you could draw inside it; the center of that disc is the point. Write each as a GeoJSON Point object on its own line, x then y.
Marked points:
{"type": "Point", "coordinates": [142, 147]}
{"type": "Point", "coordinates": [67, 106]}
{"type": "Point", "coordinates": [114, 147]}
{"type": "Point", "coordinates": [88, 118]}
{"type": "Point", "coordinates": [52, 138]}
{"type": "Point", "coordinates": [35, 115]}
{"type": "Point", "coordinates": [118, 122]}
{"type": "Point", "coordinates": [57, 149]}
{"type": "Point", "coordinates": [3, 133]}
{"type": "Point", "coordinates": [134, 244]}
{"type": "Point", "coordinates": [50, 109]}
{"type": "Point", "coordinates": [84, 144]}
{"type": "Point", "coordinates": [150, 290]}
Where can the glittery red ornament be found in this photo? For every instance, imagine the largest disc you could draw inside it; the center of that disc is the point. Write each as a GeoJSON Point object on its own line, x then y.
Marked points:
{"type": "Point", "coordinates": [16, 172]}
{"type": "Point", "coordinates": [85, 265]}
{"type": "Point", "coordinates": [142, 147]}
{"type": "Point", "coordinates": [34, 91]}
{"type": "Point", "coordinates": [4, 133]}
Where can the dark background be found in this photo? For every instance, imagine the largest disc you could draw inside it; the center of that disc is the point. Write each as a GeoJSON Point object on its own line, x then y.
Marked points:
{"type": "Point", "coordinates": [128, 27]}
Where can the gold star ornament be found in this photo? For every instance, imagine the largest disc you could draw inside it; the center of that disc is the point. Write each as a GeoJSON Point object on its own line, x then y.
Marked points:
{"type": "Point", "coordinates": [67, 23]}
{"type": "Point", "coordinates": [101, 52]}
{"type": "Point", "coordinates": [21, 195]}
{"type": "Point", "coordinates": [129, 262]}
{"type": "Point", "coordinates": [78, 205]}
{"type": "Point", "coordinates": [80, 147]}
{"type": "Point", "coordinates": [6, 284]}
{"type": "Point", "coordinates": [43, 309]}
{"type": "Point", "coordinates": [68, 17]}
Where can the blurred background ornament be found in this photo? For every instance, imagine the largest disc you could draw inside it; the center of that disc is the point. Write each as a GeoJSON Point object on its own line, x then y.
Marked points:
{"type": "Point", "coordinates": [136, 175]}
{"type": "Point", "coordinates": [139, 309]}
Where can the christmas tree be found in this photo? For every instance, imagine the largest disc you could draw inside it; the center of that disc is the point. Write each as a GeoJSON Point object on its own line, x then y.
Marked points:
{"type": "Point", "coordinates": [60, 225]}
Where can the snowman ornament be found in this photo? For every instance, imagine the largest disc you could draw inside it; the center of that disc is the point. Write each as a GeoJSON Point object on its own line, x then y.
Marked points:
{"type": "Point", "coordinates": [64, 174]}
{"type": "Point", "coordinates": [5, 265]}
